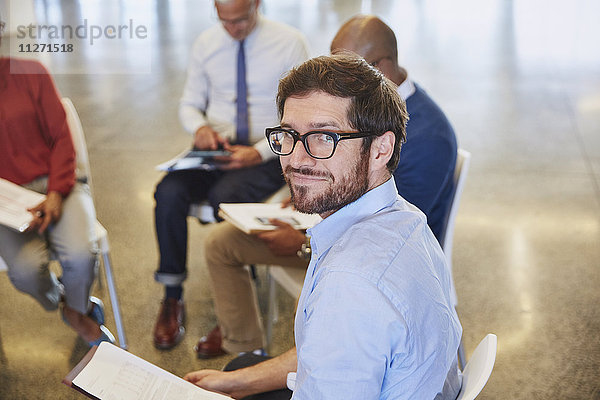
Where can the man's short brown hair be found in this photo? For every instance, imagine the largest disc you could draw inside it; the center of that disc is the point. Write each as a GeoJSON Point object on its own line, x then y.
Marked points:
{"type": "Point", "coordinates": [375, 105]}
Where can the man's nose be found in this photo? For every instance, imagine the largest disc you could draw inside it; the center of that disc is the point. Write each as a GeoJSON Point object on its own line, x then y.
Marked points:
{"type": "Point", "coordinates": [300, 156]}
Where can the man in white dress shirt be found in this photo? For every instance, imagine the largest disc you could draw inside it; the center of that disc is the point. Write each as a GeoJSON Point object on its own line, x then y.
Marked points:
{"type": "Point", "coordinates": [227, 102]}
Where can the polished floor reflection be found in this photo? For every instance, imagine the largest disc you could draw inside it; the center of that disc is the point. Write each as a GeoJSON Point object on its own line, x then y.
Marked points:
{"type": "Point", "coordinates": [520, 83]}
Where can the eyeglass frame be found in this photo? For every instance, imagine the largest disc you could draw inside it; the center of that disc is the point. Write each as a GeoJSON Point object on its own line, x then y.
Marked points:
{"type": "Point", "coordinates": [337, 136]}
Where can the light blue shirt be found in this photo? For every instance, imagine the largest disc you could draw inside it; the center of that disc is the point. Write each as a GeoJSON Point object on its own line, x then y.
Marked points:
{"type": "Point", "coordinates": [375, 319]}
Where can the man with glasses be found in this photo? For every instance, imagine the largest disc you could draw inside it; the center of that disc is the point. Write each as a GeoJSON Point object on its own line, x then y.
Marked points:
{"type": "Point", "coordinates": [227, 101]}
{"type": "Point", "coordinates": [375, 318]}
{"type": "Point", "coordinates": [423, 177]}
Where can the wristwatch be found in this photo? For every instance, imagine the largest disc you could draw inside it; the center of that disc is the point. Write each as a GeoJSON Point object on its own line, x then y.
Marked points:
{"type": "Point", "coordinates": [305, 251]}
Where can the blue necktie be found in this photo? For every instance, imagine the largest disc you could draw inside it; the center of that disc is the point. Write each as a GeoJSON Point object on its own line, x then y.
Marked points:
{"type": "Point", "coordinates": [241, 120]}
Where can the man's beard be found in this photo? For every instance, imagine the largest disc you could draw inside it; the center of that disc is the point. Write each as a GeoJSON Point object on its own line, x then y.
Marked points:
{"type": "Point", "coordinates": [351, 186]}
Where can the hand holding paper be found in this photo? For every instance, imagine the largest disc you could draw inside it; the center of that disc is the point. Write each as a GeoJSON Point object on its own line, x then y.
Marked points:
{"type": "Point", "coordinates": [109, 372]}
{"type": "Point", "coordinates": [48, 211]}
{"type": "Point", "coordinates": [255, 217]}
{"type": "Point", "coordinates": [14, 203]}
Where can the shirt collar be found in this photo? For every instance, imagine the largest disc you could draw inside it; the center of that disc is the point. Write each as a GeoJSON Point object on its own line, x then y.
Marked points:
{"type": "Point", "coordinates": [326, 233]}
{"type": "Point", "coordinates": [406, 89]}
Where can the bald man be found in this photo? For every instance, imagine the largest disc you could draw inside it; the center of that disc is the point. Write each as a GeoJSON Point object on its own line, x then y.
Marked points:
{"type": "Point", "coordinates": [423, 177]}
{"type": "Point", "coordinates": [424, 174]}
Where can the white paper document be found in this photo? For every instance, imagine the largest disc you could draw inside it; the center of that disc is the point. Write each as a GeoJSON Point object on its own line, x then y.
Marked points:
{"type": "Point", "coordinates": [254, 217]}
{"type": "Point", "coordinates": [114, 374]}
{"type": "Point", "coordinates": [14, 202]}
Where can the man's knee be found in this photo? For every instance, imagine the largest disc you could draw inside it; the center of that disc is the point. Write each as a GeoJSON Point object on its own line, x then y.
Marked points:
{"type": "Point", "coordinates": [27, 275]}
{"type": "Point", "coordinates": [238, 190]}
{"type": "Point", "coordinates": [169, 191]}
{"type": "Point", "coordinates": [79, 264]}
{"type": "Point", "coordinates": [218, 195]}
{"type": "Point", "coordinates": [218, 247]}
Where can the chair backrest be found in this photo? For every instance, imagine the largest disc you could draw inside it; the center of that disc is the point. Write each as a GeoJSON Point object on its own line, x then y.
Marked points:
{"type": "Point", "coordinates": [463, 159]}
{"type": "Point", "coordinates": [479, 368]}
{"type": "Point", "coordinates": [83, 163]}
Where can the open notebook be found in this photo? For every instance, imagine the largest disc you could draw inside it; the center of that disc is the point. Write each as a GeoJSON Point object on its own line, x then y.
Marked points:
{"type": "Point", "coordinates": [254, 217]}
{"type": "Point", "coordinates": [14, 202]}
{"type": "Point", "coordinates": [108, 372]}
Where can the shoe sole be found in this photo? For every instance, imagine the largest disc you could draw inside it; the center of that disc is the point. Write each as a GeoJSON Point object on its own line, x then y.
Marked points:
{"type": "Point", "coordinates": [206, 356]}
{"type": "Point", "coordinates": [167, 346]}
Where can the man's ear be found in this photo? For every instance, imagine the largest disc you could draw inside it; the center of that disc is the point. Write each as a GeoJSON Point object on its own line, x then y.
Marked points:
{"type": "Point", "coordinates": [382, 149]}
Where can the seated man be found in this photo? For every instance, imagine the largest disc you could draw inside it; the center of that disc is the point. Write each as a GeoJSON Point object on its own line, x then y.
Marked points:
{"type": "Point", "coordinates": [423, 177]}
{"type": "Point", "coordinates": [227, 101]}
{"type": "Point", "coordinates": [375, 319]}
{"type": "Point", "coordinates": [36, 152]}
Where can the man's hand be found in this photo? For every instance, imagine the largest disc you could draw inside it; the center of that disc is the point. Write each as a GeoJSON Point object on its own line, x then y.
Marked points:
{"type": "Point", "coordinates": [241, 157]}
{"type": "Point", "coordinates": [218, 381]}
{"type": "Point", "coordinates": [283, 241]}
{"type": "Point", "coordinates": [263, 377]}
{"type": "Point", "coordinates": [287, 202]}
{"type": "Point", "coordinates": [46, 212]}
{"type": "Point", "coordinates": [206, 138]}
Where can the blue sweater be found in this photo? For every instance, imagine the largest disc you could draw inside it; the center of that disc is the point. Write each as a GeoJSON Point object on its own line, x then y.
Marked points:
{"type": "Point", "coordinates": [424, 176]}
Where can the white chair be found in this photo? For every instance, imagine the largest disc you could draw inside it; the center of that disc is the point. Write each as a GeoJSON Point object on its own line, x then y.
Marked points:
{"type": "Point", "coordinates": [83, 172]}
{"type": "Point", "coordinates": [203, 212]}
{"type": "Point", "coordinates": [463, 160]}
{"type": "Point", "coordinates": [291, 279]}
{"type": "Point", "coordinates": [479, 368]}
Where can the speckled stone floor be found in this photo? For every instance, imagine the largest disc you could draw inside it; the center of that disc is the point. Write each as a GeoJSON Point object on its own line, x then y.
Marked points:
{"type": "Point", "coordinates": [520, 82]}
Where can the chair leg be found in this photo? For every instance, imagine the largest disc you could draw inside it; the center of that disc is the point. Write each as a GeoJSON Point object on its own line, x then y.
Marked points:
{"type": "Point", "coordinates": [114, 301]}
{"type": "Point", "coordinates": [271, 307]}
{"type": "Point", "coordinates": [254, 275]}
{"type": "Point", "coordinates": [462, 358]}
{"type": "Point", "coordinates": [99, 278]}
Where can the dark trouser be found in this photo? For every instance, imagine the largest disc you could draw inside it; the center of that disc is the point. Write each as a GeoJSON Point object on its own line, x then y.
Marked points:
{"type": "Point", "coordinates": [179, 189]}
{"type": "Point", "coordinates": [249, 359]}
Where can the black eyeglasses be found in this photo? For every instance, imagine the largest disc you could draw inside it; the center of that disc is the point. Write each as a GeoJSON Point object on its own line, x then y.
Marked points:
{"type": "Point", "coordinates": [318, 144]}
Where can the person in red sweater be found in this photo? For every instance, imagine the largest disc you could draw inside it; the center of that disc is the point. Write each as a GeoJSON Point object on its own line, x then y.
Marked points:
{"type": "Point", "coordinates": [36, 152]}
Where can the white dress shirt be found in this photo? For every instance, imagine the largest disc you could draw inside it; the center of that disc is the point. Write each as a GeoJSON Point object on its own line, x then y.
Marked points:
{"type": "Point", "coordinates": [209, 96]}
{"type": "Point", "coordinates": [406, 89]}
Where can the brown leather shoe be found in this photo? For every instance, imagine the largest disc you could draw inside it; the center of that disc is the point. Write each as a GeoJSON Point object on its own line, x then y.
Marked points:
{"type": "Point", "coordinates": [169, 329]}
{"type": "Point", "coordinates": [210, 346]}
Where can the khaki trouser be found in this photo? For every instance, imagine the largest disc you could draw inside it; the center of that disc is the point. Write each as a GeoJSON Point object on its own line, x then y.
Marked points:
{"type": "Point", "coordinates": [227, 250]}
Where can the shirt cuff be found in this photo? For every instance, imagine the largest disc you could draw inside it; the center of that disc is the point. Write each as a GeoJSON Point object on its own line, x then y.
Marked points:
{"type": "Point", "coordinates": [264, 150]}
{"type": "Point", "coordinates": [191, 118]}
